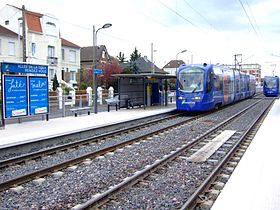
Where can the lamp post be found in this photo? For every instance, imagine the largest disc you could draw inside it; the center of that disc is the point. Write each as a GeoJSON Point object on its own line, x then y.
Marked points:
{"type": "Point", "coordinates": [236, 56]}
{"type": "Point", "coordinates": [107, 25]}
{"type": "Point", "coordinates": [152, 58]}
{"type": "Point", "coordinates": [183, 51]}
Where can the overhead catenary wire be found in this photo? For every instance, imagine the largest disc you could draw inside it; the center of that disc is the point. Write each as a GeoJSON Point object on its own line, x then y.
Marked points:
{"type": "Point", "coordinates": [252, 25]}
{"type": "Point", "coordinates": [197, 12]}
{"type": "Point", "coordinates": [256, 24]}
{"type": "Point", "coordinates": [181, 16]}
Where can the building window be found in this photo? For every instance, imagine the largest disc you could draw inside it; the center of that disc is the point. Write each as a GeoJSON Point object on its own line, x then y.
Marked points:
{"type": "Point", "coordinates": [63, 54]}
{"type": "Point", "coordinates": [51, 29]}
{"type": "Point", "coordinates": [51, 73]}
{"type": "Point", "coordinates": [72, 56]}
{"type": "Point", "coordinates": [12, 48]}
{"type": "Point", "coordinates": [62, 74]}
{"type": "Point", "coordinates": [51, 51]}
{"type": "Point", "coordinates": [33, 48]}
{"type": "Point", "coordinates": [7, 22]}
{"type": "Point", "coordinates": [72, 76]}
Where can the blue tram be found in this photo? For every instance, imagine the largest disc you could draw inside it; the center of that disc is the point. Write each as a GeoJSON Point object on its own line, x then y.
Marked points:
{"type": "Point", "coordinates": [271, 86]}
{"type": "Point", "coordinates": [203, 87]}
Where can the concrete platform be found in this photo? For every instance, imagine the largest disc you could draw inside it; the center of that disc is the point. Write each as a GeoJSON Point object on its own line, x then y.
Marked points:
{"type": "Point", "coordinates": [255, 183]}
{"type": "Point", "coordinates": [34, 130]}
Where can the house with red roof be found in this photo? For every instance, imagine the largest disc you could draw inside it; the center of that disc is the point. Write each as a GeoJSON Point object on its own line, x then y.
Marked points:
{"type": "Point", "coordinates": [27, 36]}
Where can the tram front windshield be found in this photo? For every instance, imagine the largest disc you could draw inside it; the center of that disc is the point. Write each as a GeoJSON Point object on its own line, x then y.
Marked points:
{"type": "Point", "coordinates": [270, 82]}
{"type": "Point", "coordinates": [190, 80]}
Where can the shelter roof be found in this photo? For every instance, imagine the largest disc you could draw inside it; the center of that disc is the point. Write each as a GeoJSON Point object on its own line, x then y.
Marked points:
{"type": "Point", "coordinates": [145, 75]}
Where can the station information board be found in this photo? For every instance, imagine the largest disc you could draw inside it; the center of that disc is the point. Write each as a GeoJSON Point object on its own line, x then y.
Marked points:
{"type": "Point", "coordinates": [15, 95]}
{"type": "Point", "coordinates": [38, 95]}
{"type": "Point", "coordinates": [24, 89]}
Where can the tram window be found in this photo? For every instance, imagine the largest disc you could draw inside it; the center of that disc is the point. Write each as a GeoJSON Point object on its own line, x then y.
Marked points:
{"type": "Point", "coordinates": [209, 82]}
{"type": "Point", "coordinates": [218, 82]}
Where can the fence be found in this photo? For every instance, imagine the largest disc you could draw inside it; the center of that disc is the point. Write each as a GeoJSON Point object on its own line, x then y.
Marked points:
{"type": "Point", "coordinates": [62, 105]}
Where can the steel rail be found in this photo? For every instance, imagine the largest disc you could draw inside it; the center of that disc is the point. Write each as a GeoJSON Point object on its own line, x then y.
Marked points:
{"type": "Point", "coordinates": [102, 198]}
{"type": "Point", "coordinates": [43, 172]}
{"type": "Point", "coordinates": [85, 141]}
{"type": "Point", "coordinates": [190, 204]}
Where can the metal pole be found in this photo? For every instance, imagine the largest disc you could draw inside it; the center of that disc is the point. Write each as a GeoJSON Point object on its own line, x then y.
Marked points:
{"type": "Point", "coordinates": [2, 103]}
{"type": "Point", "coordinates": [177, 62]}
{"type": "Point", "coordinates": [152, 58]}
{"type": "Point", "coordinates": [183, 51]}
{"type": "Point", "coordinates": [19, 47]}
{"type": "Point", "coordinates": [93, 74]}
{"type": "Point", "coordinates": [23, 35]}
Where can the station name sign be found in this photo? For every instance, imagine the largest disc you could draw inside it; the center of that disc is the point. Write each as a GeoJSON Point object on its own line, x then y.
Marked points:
{"type": "Point", "coordinates": [24, 68]}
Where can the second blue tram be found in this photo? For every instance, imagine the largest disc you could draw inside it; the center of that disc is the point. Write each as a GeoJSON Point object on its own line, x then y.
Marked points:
{"type": "Point", "coordinates": [271, 86]}
{"type": "Point", "coordinates": [203, 87]}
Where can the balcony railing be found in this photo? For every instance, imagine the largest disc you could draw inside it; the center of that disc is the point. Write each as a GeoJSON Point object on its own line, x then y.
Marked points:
{"type": "Point", "coordinates": [52, 60]}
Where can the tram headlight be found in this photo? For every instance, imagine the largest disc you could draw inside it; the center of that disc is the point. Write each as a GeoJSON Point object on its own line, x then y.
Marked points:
{"type": "Point", "coordinates": [196, 98]}
{"type": "Point", "coordinates": [180, 98]}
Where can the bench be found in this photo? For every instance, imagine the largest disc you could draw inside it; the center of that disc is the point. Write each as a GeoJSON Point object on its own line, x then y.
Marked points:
{"type": "Point", "coordinates": [132, 103]}
{"type": "Point", "coordinates": [113, 102]}
{"type": "Point", "coordinates": [80, 109]}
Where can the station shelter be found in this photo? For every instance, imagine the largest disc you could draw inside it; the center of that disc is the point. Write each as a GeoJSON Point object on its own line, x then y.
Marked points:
{"type": "Point", "coordinates": [146, 89]}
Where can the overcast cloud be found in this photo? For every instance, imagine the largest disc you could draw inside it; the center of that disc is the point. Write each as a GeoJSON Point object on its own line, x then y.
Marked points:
{"type": "Point", "coordinates": [210, 30]}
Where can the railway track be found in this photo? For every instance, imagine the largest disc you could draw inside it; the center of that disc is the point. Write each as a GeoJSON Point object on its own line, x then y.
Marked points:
{"type": "Point", "coordinates": [207, 193]}
{"type": "Point", "coordinates": [75, 136]}
{"type": "Point", "coordinates": [23, 160]}
{"type": "Point", "coordinates": [82, 142]}
{"type": "Point", "coordinates": [110, 198]}
{"type": "Point", "coordinates": [118, 150]}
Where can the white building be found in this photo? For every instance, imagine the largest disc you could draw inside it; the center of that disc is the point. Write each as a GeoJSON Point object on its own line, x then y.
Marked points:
{"type": "Point", "coordinates": [70, 62]}
{"type": "Point", "coordinates": [9, 45]}
{"type": "Point", "coordinates": [43, 43]}
{"type": "Point", "coordinates": [172, 66]}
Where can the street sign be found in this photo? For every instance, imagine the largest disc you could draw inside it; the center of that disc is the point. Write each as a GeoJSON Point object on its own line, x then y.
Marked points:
{"type": "Point", "coordinates": [97, 71]}
{"type": "Point", "coordinates": [24, 68]}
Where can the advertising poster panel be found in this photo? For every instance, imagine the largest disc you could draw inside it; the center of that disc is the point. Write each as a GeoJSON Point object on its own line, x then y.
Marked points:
{"type": "Point", "coordinates": [38, 95]}
{"type": "Point", "coordinates": [15, 95]}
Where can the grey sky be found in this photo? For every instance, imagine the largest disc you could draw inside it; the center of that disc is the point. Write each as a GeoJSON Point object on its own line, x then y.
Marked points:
{"type": "Point", "coordinates": [211, 30]}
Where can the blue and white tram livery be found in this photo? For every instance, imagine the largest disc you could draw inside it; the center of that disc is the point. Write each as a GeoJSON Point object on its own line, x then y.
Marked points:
{"type": "Point", "coordinates": [202, 87]}
{"type": "Point", "coordinates": [271, 86]}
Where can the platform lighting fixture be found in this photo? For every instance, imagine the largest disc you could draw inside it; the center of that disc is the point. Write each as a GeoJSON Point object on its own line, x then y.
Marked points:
{"type": "Point", "coordinates": [183, 51]}
{"type": "Point", "coordinates": [107, 25]}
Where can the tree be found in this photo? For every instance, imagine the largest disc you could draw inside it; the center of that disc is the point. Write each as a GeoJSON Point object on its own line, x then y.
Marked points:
{"type": "Point", "coordinates": [108, 69]}
{"type": "Point", "coordinates": [135, 55]}
{"type": "Point", "coordinates": [133, 66]}
{"type": "Point", "coordinates": [121, 57]}
{"type": "Point", "coordinates": [55, 83]}
{"type": "Point", "coordinates": [132, 63]}
{"type": "Point", "coordinates": [127, 70]}
{"type": "Point", "coordinates": [86, 78]}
